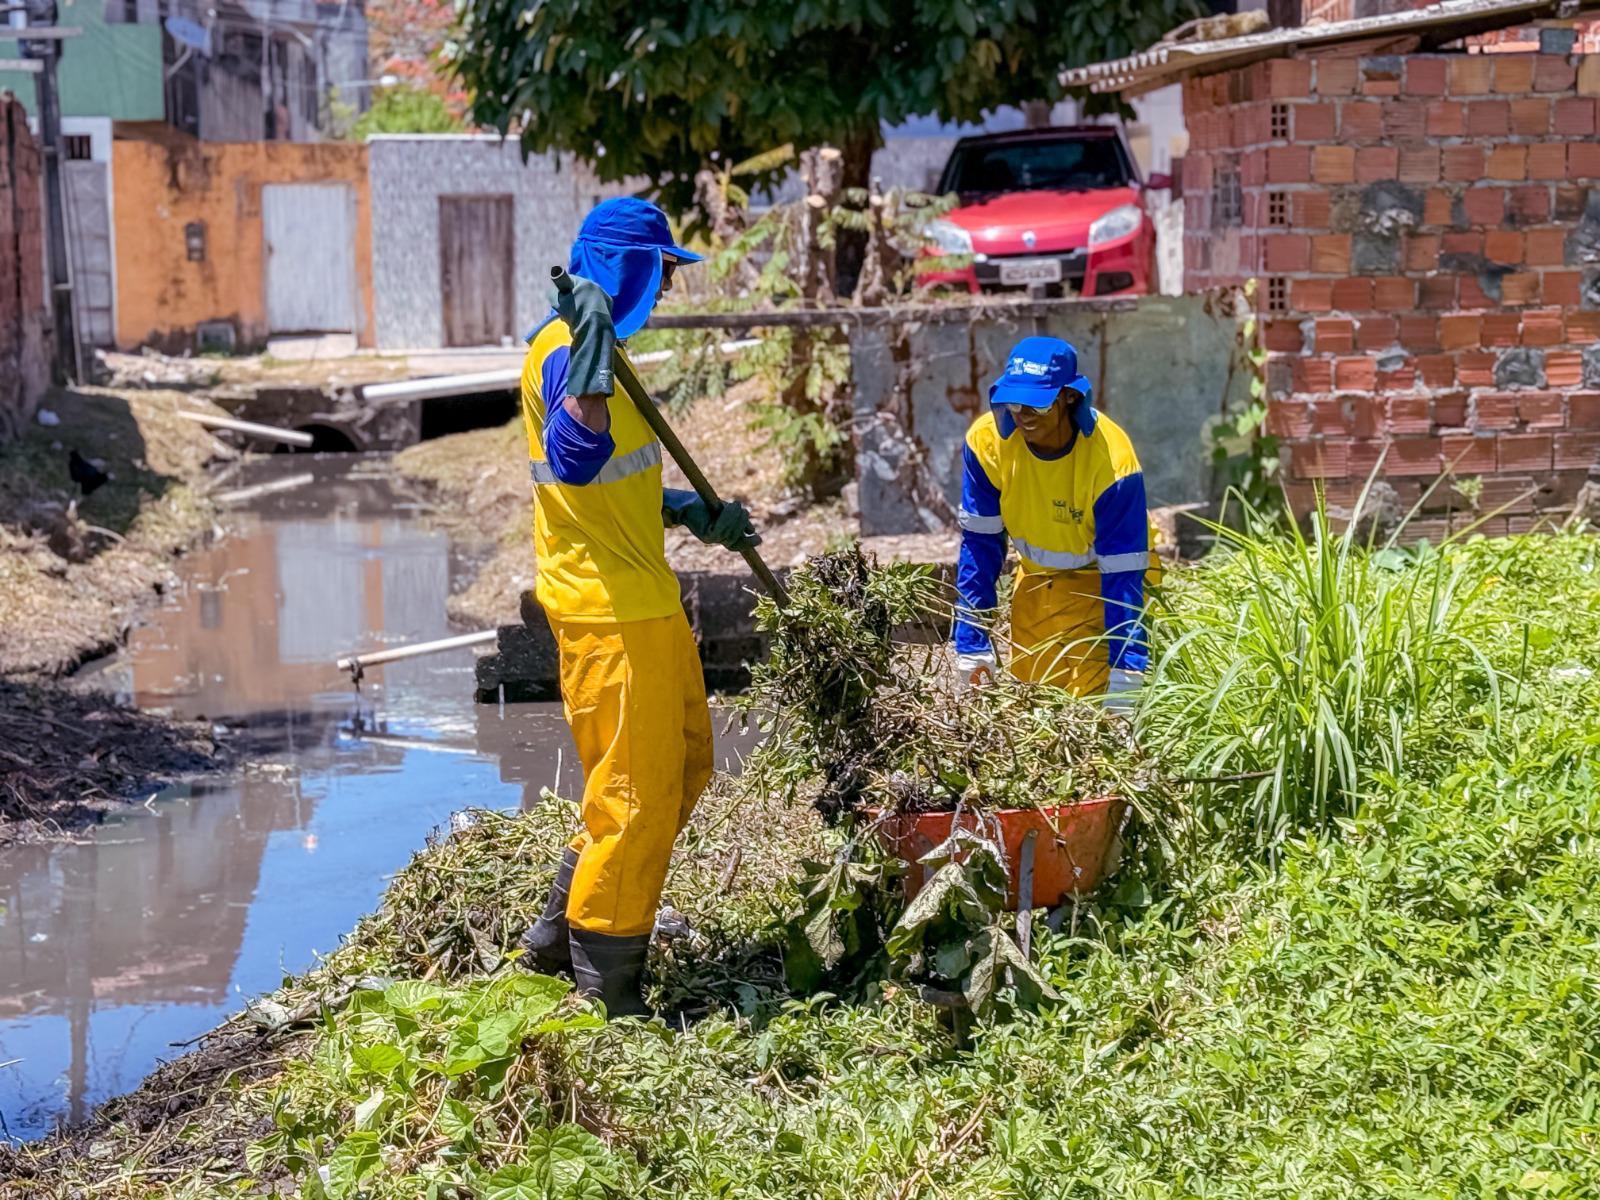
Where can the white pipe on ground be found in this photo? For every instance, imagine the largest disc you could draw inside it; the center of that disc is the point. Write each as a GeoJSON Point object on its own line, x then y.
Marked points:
{"type": "Point", "coordinates": [239, 495]}
{"type": "Point", "coordinates": [271, 432]}
{"type": "Point", "coordinates": [444, 385]}
{"type": "Point", "coordinates": [377, 657]}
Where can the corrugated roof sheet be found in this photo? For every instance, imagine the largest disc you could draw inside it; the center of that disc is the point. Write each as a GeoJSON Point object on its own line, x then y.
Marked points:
{"type": "Point", "coordinates": [1168, 61]}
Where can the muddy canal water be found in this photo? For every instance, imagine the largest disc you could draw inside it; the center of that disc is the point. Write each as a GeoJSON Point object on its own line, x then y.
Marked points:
{"type": "Point", "coordinates": [151, 928]}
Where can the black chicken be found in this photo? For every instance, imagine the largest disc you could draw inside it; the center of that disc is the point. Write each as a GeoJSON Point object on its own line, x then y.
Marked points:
{"type": "Point", "coordinates": [84, 473]}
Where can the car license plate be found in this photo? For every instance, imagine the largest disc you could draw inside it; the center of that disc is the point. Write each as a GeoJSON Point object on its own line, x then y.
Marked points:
{"type": "Point", "coordinates": [1030, 270]}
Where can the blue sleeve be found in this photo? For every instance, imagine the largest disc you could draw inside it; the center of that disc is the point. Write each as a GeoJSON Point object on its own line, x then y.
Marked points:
{"type": "Point", "coordinates": [1122, 546]}
{"type": "Point", "coordinates": [575, 452]}
{"type": "Point", "coordinates": [983, 553]}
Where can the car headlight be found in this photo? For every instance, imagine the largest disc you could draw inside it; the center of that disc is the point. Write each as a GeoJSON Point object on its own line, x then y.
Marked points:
{"type": "Point", "coordinates": [1118, 223]}
{"type": "Point", "coordinates": [948, 237]}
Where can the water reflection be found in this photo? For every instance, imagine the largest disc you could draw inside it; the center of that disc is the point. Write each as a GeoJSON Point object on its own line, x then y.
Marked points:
{"type": "Point", "coordinates": [158, 923]}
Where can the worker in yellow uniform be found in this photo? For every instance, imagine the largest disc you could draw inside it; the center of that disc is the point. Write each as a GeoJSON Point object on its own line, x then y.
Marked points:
{"type": "Point", "coordinates": [1062, 481]}
{"type": "Point", "coordinates": [631, 681]}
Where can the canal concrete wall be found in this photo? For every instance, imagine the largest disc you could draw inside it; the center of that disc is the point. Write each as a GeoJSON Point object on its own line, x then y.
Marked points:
{"type": "Point", "coordinates": [1162, 366]}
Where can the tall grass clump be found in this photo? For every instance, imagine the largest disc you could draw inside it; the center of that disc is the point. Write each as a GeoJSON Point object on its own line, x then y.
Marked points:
{"type": "Point", "coordinates": [1293, 667]}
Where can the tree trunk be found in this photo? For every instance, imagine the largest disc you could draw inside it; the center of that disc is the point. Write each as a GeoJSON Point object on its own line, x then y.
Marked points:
{"type": "Point", "coordinates": [821, 170]}
{"type": "Point", "coordinates": [852, 246]}
{"type": "Point", "coordinates": [884, 261]}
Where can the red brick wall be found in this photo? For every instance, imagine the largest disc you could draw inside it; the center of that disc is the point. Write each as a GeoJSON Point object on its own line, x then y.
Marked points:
{"type": "Point", "coordinates": [1426, 230]}
{"type": "Point", "coordinates": [23, 362]}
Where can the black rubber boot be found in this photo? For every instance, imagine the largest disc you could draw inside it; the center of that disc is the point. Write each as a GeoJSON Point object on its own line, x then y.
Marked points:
{"type": "Point", "coordinates": [548, 947]}
{"type": "Point", "coordinates": [610, 969]}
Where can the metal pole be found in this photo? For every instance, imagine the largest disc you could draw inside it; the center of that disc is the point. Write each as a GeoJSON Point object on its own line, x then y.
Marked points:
{"type": "Point", "coordinates": [69, 367]}
{"type": "Point", "coordinates": [374, 658]}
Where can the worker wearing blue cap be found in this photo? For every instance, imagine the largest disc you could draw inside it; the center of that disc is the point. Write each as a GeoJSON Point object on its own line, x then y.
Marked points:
{"type": "Point", "coordinates": [1063, 482]}
{"type": "Point", "coordinates": [631, 681]}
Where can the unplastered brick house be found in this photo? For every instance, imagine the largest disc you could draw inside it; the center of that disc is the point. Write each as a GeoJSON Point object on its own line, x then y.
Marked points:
{"type": "Point", "coordinates": [1417, 195]}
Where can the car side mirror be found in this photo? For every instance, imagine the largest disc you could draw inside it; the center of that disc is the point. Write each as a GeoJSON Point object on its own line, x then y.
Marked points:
{"type": "Point", "coordinates": [1160, 182]}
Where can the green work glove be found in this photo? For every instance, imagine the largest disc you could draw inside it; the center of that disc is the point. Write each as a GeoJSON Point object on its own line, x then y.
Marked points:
{"type": "Point", "coordinates": [587, 311]}
{"type": "Point", "coordinates": [730, 526]}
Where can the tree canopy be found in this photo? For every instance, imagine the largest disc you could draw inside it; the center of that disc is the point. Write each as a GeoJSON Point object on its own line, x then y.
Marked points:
{"type": "Point", "coordinates": [661, 90]}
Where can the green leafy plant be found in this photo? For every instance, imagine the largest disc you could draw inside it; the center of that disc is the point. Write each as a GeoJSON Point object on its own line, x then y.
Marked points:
{"type": "Point", "coordinates": [953, 933]}
{"type": "Point", "coordinates": [420, 1079]}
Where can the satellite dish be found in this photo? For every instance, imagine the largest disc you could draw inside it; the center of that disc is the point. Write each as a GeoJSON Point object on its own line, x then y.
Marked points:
{"type": "Point", "coordinates": [191, 33]}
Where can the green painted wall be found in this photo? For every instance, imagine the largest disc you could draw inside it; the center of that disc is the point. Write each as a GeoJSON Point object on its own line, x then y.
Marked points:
{"type": "Point", "coordinates": [111, 71]}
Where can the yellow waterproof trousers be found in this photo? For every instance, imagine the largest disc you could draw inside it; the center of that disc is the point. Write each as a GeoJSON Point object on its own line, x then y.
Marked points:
{"type": "Point", "coordinates": [636, 702]}
{"type": "Point", "coordinates": [1058, 627]}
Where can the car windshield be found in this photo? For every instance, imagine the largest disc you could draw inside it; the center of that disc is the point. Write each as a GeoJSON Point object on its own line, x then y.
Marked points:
{"type": "Point", "coordinates": [1068, 164]}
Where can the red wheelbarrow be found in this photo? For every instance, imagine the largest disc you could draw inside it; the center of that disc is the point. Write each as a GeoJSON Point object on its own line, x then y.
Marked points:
{"type": "Point", "coordinates": [1050, 853]}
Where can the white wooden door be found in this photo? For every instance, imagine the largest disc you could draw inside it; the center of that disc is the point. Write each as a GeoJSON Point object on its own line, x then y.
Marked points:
{"type": "Point", "coordinates": [310, 235]}
{"type": "Point", "coordinates": [89, 247]}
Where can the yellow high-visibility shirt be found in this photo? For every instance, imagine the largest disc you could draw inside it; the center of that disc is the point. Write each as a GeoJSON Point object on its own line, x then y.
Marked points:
{"type": "Point", "coordinates": [600, 544]}
{"type": "Point", "coordinates": [1048, 506]}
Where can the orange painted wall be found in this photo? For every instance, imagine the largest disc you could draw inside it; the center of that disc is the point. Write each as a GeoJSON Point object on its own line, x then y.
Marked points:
{"type": "Point", "coordinates": [164, 181]}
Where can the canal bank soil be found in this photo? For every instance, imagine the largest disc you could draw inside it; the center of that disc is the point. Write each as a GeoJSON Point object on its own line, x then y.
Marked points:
{"type": "Point", "coordinates": [79, 558]}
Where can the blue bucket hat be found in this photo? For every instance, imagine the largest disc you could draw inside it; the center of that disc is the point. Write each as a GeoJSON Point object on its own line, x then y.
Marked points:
{"type": "Point", "coordinates": [1039, 367]}
{"type": "Point", "coordinates": [620, 247]}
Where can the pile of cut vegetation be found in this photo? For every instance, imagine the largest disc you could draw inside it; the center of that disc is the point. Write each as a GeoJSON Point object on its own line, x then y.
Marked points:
{"type": "Point", "coordinates": [863, 713]}
{"type": "Point", "coordinates": [1357, 959]}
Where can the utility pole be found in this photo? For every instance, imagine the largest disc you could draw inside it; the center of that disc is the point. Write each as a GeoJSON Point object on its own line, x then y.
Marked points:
{"type": "Point", "coordinates": [69, 365]}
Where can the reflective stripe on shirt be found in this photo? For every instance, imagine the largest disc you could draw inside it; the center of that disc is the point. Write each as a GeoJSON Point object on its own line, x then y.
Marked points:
{"type": "Point", "coordinates": [1056, 560]}
{"type": "Point", "coordinates": [1065, 560]}
{"type": "Point", "coordinates": [1134, 560]}
{"type": "Point", "coordinates": [635, 461]}
{"type": "Point", "coordinates": [976, 523]}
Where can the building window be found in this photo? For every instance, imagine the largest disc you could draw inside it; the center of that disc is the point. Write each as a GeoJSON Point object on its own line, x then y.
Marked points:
{"type": "Point", "coordinates": [194, 240]}
{"type": "Point", "coordinates": [1280, 122]}
{"type": "Point", "coordinates": [1277, 294]}
{"type": "Point", "coordinates": [1278, 209]}
{"type": "Point", "coordinates": [79, 147]}
{"type": "Point", "coordinates": [1227, 197]}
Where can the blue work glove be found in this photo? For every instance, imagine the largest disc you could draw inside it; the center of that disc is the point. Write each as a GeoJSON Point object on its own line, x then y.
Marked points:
{"type": "Point", "coordinates": [587, 311]}
{"type": "Point", "coordinates": [730, 526]}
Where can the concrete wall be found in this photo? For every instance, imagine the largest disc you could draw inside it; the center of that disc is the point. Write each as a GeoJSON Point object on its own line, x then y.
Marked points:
{"type": "Point", "coordinates": [410, 172]}
{"type": "Point", "coordinates": [24, 350]}
{"type": "Point", "coordinates": [1161, 367]}
{"type": "Point", "coordinates": [163, 184]}
{"type": "Point", "coordinates": [1427, 228]}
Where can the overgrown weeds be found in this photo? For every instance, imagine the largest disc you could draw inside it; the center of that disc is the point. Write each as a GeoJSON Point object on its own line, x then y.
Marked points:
{"type": "Point", "coordinates": [1294, 668]}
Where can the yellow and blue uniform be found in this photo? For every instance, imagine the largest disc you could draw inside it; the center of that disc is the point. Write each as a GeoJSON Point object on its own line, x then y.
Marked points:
{"type": "Point", "coordinates": [1079, 524]}
{"type": "Point", "coordinates": [631, 682]}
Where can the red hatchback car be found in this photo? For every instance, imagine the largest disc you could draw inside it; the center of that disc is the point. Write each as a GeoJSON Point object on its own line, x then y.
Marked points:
{"type": "Point", "coordinates": [1061, 209]}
